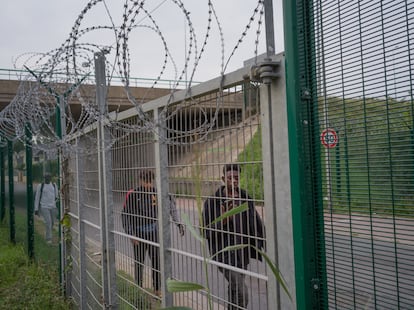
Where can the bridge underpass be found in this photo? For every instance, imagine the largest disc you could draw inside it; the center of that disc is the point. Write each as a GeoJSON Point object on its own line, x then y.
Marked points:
{"type": "Point", "coordinates": [117, 97]}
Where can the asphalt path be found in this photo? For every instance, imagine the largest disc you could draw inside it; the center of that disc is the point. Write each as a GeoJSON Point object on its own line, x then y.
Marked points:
{"type": "Point", "coordinates": [373, 274]}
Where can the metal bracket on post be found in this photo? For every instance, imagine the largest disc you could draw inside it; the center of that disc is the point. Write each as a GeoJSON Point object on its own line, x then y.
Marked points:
{"type": "Point", "coordinates": [265, 72]}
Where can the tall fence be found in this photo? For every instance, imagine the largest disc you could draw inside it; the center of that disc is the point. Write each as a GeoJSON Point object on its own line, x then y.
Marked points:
{"type": "Point", "coordinates": [350, 68]}
{"type": "Point", "coordinates": [342, 235]}
{"type": "Point", "coordinates": [185, 140]}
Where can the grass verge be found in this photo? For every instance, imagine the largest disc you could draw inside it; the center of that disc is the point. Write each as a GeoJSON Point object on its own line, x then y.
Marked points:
{"type": "Point", "coordinates": [25, 284]}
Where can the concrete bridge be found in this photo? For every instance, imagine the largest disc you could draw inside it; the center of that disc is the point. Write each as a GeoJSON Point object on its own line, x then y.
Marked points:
{"type": "Point", "coordinates": [233, 106]}
{"type": "Point", "coordinates": [117, 98]}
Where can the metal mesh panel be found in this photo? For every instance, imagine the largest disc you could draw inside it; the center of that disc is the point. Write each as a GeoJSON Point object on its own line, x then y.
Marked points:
{"type": "Point", "coordinates": [70, 194]}
{"type": "Point", "coordinates": [364, 130]}
{"type": "Point", "coordinates": [132, 154]}
{"type": "Point", "coordinates": [123, 253]}
{"type": "Point", "coordinates": [195, 163]}
{"type": "Point", "coordinates": [84, 269]}
{"type": "Point", "coordinates": [196, 168]}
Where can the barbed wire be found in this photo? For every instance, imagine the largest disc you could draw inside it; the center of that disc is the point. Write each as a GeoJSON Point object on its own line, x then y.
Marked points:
{"type": "Point", "coordinates": [56, 81]}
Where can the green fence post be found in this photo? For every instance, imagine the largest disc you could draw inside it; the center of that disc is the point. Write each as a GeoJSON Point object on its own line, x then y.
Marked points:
{"type": "Point", "coordinates": [29, 196]}
{"type": "Point", "coordinates": [2, 184]}
{"type": "Point", "coordinates": [11, 192]}
{"type": "Point", "coordinates": [58, 130]}
{"type": "Point", "coordinates": [306, 196]}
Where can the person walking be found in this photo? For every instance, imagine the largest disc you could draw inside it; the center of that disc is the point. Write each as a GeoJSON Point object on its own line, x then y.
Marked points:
{"type": "Point", "coordinates": [45, 204]}
{"type": "Point", "coordinates": [244, 228]}
{"type": "Point", "coordinates": [140, 219]}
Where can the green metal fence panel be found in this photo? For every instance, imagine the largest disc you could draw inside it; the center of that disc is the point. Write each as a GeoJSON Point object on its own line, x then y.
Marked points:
{"type": "Point", "coordinates": [358, 57]}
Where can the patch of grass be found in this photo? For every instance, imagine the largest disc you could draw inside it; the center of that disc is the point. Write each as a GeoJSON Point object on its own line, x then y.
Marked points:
{"type": "Point", "coordinates": [25, 284]}
{"type": "Point", "coordinates": [252, 173]}
{"type": "Point", "coordinates": [44, 253]}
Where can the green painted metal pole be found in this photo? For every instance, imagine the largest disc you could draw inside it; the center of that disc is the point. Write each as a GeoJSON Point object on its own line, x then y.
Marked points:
{"type": "Point", "coordinates": [289, 9]}
{"type": "Point", "coordinates": [58, 130]}
{"type": "Point", "coordinates": [29, 190]}
{"type": "Point", "coordinates": [11, 193]}
{"type": "Point", "coordinates": [310, 283]}
{"type": "Point", "coordinates": [2, 185]}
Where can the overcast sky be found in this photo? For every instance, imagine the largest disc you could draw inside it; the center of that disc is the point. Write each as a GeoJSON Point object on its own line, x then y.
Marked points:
{"type": "Point", "coordinates": [29, 26]}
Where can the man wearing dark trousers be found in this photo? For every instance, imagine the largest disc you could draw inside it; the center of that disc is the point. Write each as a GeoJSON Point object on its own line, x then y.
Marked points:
{"type": "Point", "coordinates": [245, 228]}
{"type": "Point", "coordinates": [140, 219]}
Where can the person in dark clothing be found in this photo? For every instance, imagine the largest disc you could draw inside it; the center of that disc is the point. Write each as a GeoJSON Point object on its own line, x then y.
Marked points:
{"type": "Point", "coordinates": [140, 219]}
{"type": "Point", "coordinates": [245, 228]}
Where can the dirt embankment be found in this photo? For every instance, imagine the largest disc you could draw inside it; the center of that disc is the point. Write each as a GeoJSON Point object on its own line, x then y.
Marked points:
{"type": "Point", "coordinates": [204, 160]}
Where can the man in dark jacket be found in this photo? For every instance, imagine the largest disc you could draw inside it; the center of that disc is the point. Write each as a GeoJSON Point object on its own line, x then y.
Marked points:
{"type": "Point", "coordinates": [140, 219]}
{"type": "Point", "coordinates": [245, 228]}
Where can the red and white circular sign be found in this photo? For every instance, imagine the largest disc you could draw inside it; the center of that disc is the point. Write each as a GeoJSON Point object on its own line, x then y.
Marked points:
{"type": "Point", "coordinates": [329, 138]}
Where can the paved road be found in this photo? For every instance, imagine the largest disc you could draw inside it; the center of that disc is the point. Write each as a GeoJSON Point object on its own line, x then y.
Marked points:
{"type": "Point", "coordinates": [375, 274]}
